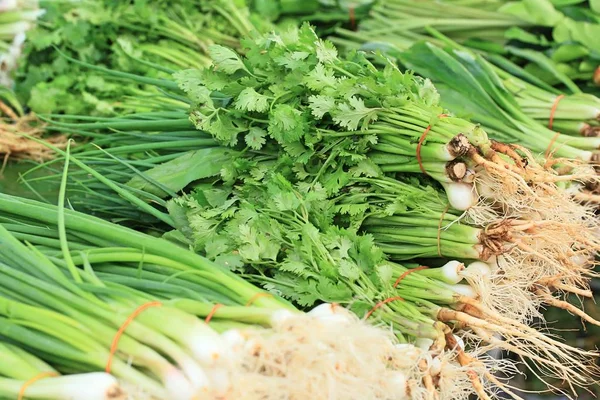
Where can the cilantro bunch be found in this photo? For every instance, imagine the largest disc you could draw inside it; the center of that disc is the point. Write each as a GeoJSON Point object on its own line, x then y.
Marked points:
{"type": "Point", "coordinates": [117, 34]}
{"type": "Point", "coordinates": [291, 94]}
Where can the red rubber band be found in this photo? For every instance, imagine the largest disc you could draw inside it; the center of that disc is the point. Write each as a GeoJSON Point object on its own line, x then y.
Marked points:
{"type": "Point", "coordinates": [256, 297]}
{"type": "Point", "coordinates": [549, 149]}
{"type": "Point", "coordinates": [381, 303]}
{"type": "Point", "coordinates": [212, 312]}
{"type": "Point", "coordinates": [352, 17]}
{"type": "Point", "coordinates": [553, 110]}
{"type": "Point", "coordinates": [41, 375]}
{"type": "Point", "coordinates": [115, 342]}
{"type": "Point", "coordinates": [421, 140]}
{"type": "Point", "coordinates": [408, 272]}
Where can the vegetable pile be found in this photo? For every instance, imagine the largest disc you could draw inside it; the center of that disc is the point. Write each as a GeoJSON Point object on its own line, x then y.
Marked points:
{"type": "Point", "coordinates": [217, 200]}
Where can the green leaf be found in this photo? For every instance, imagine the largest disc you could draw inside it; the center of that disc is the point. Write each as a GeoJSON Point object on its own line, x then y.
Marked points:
{"type": "Point", "coordinates": [286, 124]}
{"type": "Point", "coordinates": [225, 59]}
{"type": "Point", "coordinates": [354, 113]}
{"type": "Point", "coordinates": [292, 60]}
{"type": "Point", "coordinates": [522, 35]}
{"type": "Point", "coordinates": [295, 267]}
{"type": "Point", "coordinates": [320, 77]}
{"type": "Point", "coordinates": [326, 51]}
{"type": "Point", "coordinates": [180, 172]}
{"type": "Point", "coordinates": [216, 246]}
{"type": "Point", "coordinates": [232, 262]}
{"type": "Point", "coordinates": [250, 100]}
{"type": "Point", "coordinates": [349, 270]}
{"type": "Point", "coordinates": [320, 105]}
{"type": "Point", "coordinates": [538, 12]}
{"type": "Point", "coordinates": [333, 292]}
{"type": "Point", "coordinates": [192, 83]}
{"type": "Point", "coordinates": [545, 63]}
{"type": "Point", "coordinates": [256, 138]}
{"type": "Point", "coordinates": [366, 168]}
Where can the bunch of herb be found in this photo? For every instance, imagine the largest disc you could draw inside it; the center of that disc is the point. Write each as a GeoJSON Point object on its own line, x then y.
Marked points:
{"type": "Point", "coordinates": [116, 35]}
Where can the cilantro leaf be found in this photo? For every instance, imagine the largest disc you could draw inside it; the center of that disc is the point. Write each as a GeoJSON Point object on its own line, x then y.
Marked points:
{"type": "Point", "coordinates": [250, 100]}
{"type": "Point", "coordinates": [225, 59]}
{"type": "Point", "coordinates": [354, 113]}
{"type": "Point", "coordinates": [256, 138]}
{"type": "Point", "coordinates": [321, 105]}
{"type": "Point", "coordinates": [286, 124]}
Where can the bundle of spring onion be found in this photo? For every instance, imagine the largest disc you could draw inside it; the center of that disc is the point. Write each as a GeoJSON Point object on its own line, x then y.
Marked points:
{"type": "Point", "coordinates": [71, 284]}
{"type": "Point", "coordinates": [24, 374]}
{"type": "Point", "coordinates": [552, 40]}
{"type": "Point", "coordinates": [16, 18]}
{"type": "Point", "coordinates": [509, 108]}
{"type": "Point", "coordinates": [576, 113]}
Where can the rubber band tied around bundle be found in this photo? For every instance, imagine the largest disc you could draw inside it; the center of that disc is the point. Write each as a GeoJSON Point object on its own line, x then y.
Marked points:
{"type": "Point", "coordinates": [256, 297]}
{"type": "Point", "coordinates": [406, 273]}
{"type": "Point", "coordinates": [212, 312]}
{"type": "Point", "coordinates": [115, 342]}
{"type": "Point", "coordinates": [382, 303]}
{"type": "Point", "coordinates": [42, 375]}
{"type": "Point", "coordinates": [352, 17]}
{"type": "Point", "coordinates": [551, 123]}
{"type": "Point", "coordinates": [439, 232]}
{"type": "Point", "coordinates": [420, 144]}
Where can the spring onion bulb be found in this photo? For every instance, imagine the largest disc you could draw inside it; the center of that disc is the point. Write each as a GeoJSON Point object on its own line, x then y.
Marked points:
{"type": "Point", "coordinates": [461, 196]}
{"type": "Point", "coordinates": [88, 386]}
{"type": "Point", "coordinates": [330, 312]}
{"type": "Point", "coordinates": [477, 269]}
{"type": "Point", "coordinates": [435, 366]}
{"type": "Point", "coordinates": [450, 273]}
{"type": "Point", "coordinates": [424, 343]}
{"type": "Point", "coordinates": [465, 290]}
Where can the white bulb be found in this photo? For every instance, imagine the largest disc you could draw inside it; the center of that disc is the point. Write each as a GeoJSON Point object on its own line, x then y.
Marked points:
{"type": "Point", "coordinates": [451, 271]}
{"type": "Point", "coordinates": [281, 316]}
{"type": "Point", "coordinates": [435, 367]}
{"type": "Point", "coordinates": [461, 196]}
{"type": "Point", "coordinates": [478, 269]}
{"type": "Point", "coordinates": [330, 312]}
{"type": "Point", "coordinates": [465, 290]}
{"type": "Point", "coordinates": [424, 343]}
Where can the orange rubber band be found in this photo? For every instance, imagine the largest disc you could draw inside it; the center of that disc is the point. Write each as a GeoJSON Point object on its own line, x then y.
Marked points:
{"type": "Point", "coordinates": [381, 303]}
{"type": "Point", "coordinates": [256, 297]}
{"type": "Point", "coordinates": [553, 110]}
{"type": "Point", "coordinates": [420, 143]}
{"type": "Point", "coordinates": [42, 375]}
{"type": "Point", "coordinates": [549, 149]}
{"type": "Point", "coordinates": [212, 312]}
{"type": "Point", "coordinates": [115, 342]}
{"type": "Point", "coordinates": [408, 272]}
{"type": "Point", "coordinates": [352, 17]}
{"type": "Point", "coordinates": [551, 122]}
{"type": "Point", "coordinates": [421, 140]}
{"type": "Point", "coordinates": [439, 232]}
